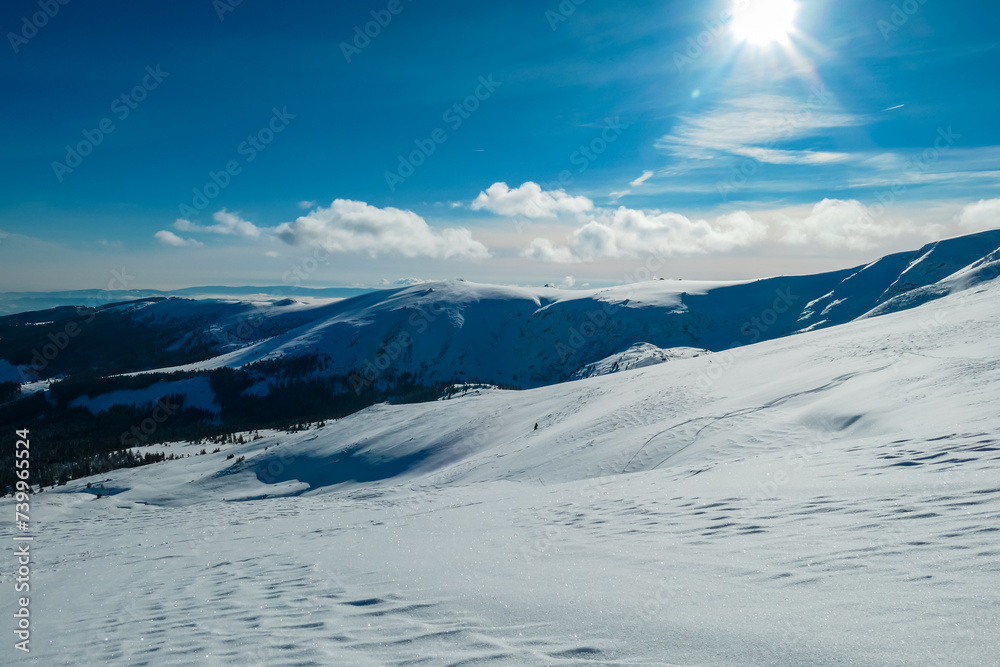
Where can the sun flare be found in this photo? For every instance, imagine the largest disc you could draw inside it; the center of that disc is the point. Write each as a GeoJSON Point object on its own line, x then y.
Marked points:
{"type": "Point", "coordinates": [764, 22]}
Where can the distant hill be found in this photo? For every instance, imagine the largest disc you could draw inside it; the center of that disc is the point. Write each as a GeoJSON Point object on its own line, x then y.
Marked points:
{"type": "Point", "coordinates": [19, 302]}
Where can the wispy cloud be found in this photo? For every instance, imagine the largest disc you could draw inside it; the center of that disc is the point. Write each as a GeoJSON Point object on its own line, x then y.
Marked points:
{"type": "Point", "coordinates": [776, 156]}
{"type": "Point", "coordinates": [646, 175]}
{"type": "Point", "coordinates": [226, 223]}
{"type": "Point", "coordinates": [756, 127]}
{"type": "Point", "coordinates": [615, 196]}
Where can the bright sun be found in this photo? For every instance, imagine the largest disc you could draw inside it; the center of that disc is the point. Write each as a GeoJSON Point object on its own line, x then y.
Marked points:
{"type": "Point", "coordinates": [764, 21]}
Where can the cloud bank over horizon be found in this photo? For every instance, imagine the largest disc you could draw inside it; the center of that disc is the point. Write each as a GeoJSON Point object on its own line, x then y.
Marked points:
{"type": "Point", "coordinates": [349, 227]}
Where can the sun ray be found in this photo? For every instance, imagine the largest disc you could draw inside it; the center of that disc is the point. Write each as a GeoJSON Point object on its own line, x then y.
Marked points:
{"type": "Point", "coordinates": [763, 22]}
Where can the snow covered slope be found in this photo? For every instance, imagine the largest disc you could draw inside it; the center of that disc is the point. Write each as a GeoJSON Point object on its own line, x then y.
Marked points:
{"type": "Point", "coordinates": [830, 498]}
{"type": "Point", "coordinates": [528, 337]}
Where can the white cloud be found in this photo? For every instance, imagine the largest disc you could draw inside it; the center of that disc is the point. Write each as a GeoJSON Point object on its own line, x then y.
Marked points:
{"type": "Point", "coordinates": [836, 223]}
{"type": "Point", "coordinates": [627, 232]}
{"type": "Point", "coordinates": [348, 226]}
{"type": "Point", "coordinates": [227, 223]}
{"type": "Point", "coordinates": [615, 196]}
{"type": "Point", "coordinates": [753, 127]}
{"type": "Point", "coordinates": [984, 214]}
{"type": "Point", "coordinates": [646, 175]}
{"type": "Point", "coordinates": [306, 204]}
{"type": "Point", "coordinates": [544, 250]}
{"type": "Point", "coordinates": [530, 201]}
{"type": "Point", "coordinates": [775, 156]}
{"type": "Point", "coordinates": [169, 238]}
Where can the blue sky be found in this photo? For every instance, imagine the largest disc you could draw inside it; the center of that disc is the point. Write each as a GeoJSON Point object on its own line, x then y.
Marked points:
{"type": "Point", "coordinates": [587, 136]}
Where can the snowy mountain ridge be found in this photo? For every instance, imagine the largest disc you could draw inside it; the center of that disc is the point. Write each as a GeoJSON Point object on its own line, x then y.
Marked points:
{"type": "Point", "coordinates": [435, 334]}
{"type": "Point", "coordinates": [535, 336]}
